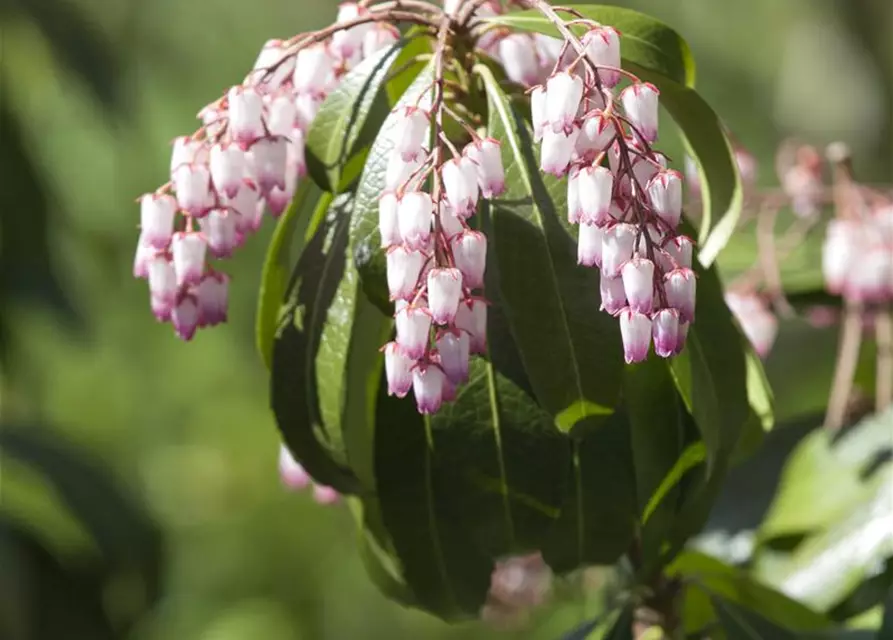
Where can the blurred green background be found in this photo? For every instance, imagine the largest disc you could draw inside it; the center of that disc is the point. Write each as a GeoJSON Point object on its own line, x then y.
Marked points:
{"type": "Point", "coordinates": [91, 92]}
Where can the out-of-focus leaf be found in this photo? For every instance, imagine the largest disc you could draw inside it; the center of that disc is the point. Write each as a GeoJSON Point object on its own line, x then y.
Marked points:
{"type": "Point", "coordinates": [570, 350]}
{"type": "Point", "coordinates": [739, 624]}
{"type": "Point", "coordinates": [733, 585]}
{"type": "Point", "coordinates": [292, 231]}
{"type": "Point", "coordinates": [886, 630]}
{"type": "Point", "coordinates": [409, 63]}
{"type": "Point", "coordinates": [293, 391]}
{"type": "Point", "coordinates": [348, 120]}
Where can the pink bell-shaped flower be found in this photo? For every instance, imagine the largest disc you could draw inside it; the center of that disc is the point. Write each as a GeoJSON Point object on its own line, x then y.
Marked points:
{"type": "Point", "coordinates": [613, 294]}
{"type": "Point", "coordinates": [184, 317]}
{"type": "Point", "coordinates": [314, 65]}
{"type": "Point", "coordinates": [564, 91]}
{"type": "Point", "coordinates": [680, 250]}
{"type": "Point", "coordinates": [246, 111]}
{"type": "Point", "coordinates": [470, 257]}
{"type": "Point", "coordinates": [220, 231]}
{"type": "Point", "coordinates": [162, 286]}
{"type": "Point", "coordinates": [596, 135]}
{"type": "Point", "coordinates": [157, 212]}
{"type": "Point", "coordinates": [144, 254]}
{"type": "Point", "coordinates": [228, 168]}
{"type": "Point", "coordinates": [617, 248]}
{"type": "Point", "coordinates": [556, 150]}
{"type": "Point", "coordinates": [444, 293]}
{"type": "Point", "coordinates": [574, 206]}
{"type": "Point", "coordinates": [192, 183]}
{"type": "Point", "coordinates": [487, 157]}
{"type": "Point", "coordinates": [596, 187]}
{"type": "Point", "coordinates": [413, 324]}
{"type": "Point", "coordinates": [450, 223]}
{"type": "Point", "coordinates": [589, 245]}
{"type": "Point", "coordinates": [415, 215]}
{"type": "Point", "coordinates": [398, 370]}
{"type": "Point", "coordinates": [635, 331]}
{"type": "Point", "coordinates": [213, 299]}
{"type": "Point", "coordinates": [268, 159]}
{"type": "Point", "coordinates": [518, 56]}
{"type": "Point", "coordinates": [665, 328]}
{"type": "Point", "coordinates": [665, 194]}
{"type": "Point", "coordinates": [679, 285]}
{"type": "Point", "coordinates": [603, 49]}
{"type": "Point", "coordinates": [461, 185]}
{"type": "Point", "coordinates": [244, 205]}
{"type": "Point", "coordinates": [282, 114]}
{"type": "Point", "coordinates": [453, 348]}
{"type": "Point", "coordinates": [638, 284]}
{"type": "Point", "coordinates": [188, 249]}
{"type": "Point", "coordinates": [640, 102]}
{"type": "Point", "coordinates": [427, 385]}
{"type": "Point", "coordinates": [409, 131]}
{"type": "Point", "coordinates": [472, 318]}
{"type": "Point", "coordinates": [403, 268]}
{"type": "Point", "coordinates": [388, 227]}
{"type": "Point", "coordinates": [399, 171]}
{"type": "Point", "coordinates": [274, 65]}
{"type": "Point", "coordinates": [306, 107]}
{"type": "Point", "coordinates": [188, 151]}
{"type": "Point", "coordinates": [539, 116]}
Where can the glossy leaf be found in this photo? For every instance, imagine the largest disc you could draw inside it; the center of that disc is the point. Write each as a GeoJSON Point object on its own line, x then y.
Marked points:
{"type": "Point", "coordinates": [291, 233]}
{"type": "Point", "coordinates": [570, 350]}
{"type": "Point", "coordinates": [293, 394]}
{"type": "Point", "coordinates": [739, 624]}
{"type": "Point", "coordinates": [348, 119]}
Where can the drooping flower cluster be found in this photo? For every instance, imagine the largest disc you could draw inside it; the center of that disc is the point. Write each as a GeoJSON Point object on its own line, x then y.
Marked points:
{"type": "Point", "coordinates": [295, 477]}
{"type": "Point", "coordinates": [245, 160]}
{"type": "Point", "coordinates": [759, 324]}
{"type": "Point", "coordinates": [857, 257]}
{"type": "Point", "coordinates": [435, 261]}
{"type": "Point", "coordinates": [626, 202]}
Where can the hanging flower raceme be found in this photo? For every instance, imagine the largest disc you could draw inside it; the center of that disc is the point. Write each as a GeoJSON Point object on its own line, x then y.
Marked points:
{"type": "Point", "coordinates": [627, 204]}
{"type": "Point", "coordinates": [245, 161]}
{"type": "Point", "coordinates": [857, 256]}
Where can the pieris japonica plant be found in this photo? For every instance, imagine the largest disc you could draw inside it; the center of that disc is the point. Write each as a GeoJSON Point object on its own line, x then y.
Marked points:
{"type": "Point", "coordinates": [490, 324]}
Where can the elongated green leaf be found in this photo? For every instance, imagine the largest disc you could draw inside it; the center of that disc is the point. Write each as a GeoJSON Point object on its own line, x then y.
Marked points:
{"type": "Point", "coordinates": [285, 247]}
{"type": "Point", "coordinates": [293, 394]}
{"type": "Point", "coordinates": [692, 456]}
{"type": "Point", "coordinates": [739, 624]}
{"type": "Point", "coordinates": [571, 352]}
{"type": "Point", "coordinates": [657, 54]}
{"type": "Point", "coordinates": [733, 585]}
{"type": "Point", "coordinates": [348, 119]}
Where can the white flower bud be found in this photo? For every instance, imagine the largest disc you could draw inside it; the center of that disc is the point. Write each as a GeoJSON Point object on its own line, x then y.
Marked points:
{"type": "Point", "coordinates": [427, 385]}
{"type": "Point", "coordinates": [213, 299]}
{"type": "Point", "coordinates": [640, 104]}
{"type": "Point", "coordinates": [461, 186]}
{"type": "Point", "coordinates": [268, 159]}
{"type": "Point", "coordinates": [398, 370]}
{"type": "Point", "coordinates": [188, 151]}
{"type": "Point", "coordinates": [472, 318]}
{"type": "Point", "coordinates": [403, 267]}
{"type": "Point", "coordinates": [556, 151]}
{"type": "Point", "coordinates": [613, 294]}
{"type": "Point", "coordinates": [538, 113]}
{"type": "Point", "coordinates": [413, 324]}
{"type": "Point", "coordinates": [596, 186]}
{"type": "Point", "coordinates": [603, 49]}
{"type": "Point", "coordinates": [666, 332]}
{"type": "Point", "coordinates": [470, 257]}
{"type": "Point", "coordinates": [228, 168]}
{"type": "Point", "coordinates": [454, 353]}
{"type": "Point", "coordinates": [635, 331]}
{"type": "Point", "coordinates": [563, 94]}
{"type": "Point", "coordinates": [246, 112]}
{"type": "Point", "coordinates": [415, 215]}
{"type": "Point", "coordinates": [314, 66]}
{"type": "Point", "coordinates": [192, 182]}
{"type": "Point", "coordinates": [596, 135]}
{"type": "Point", "coordinates": [444, 294]}
{"type": "Point", "coordinates": [638, 284]}
{"type": "Point", "coordinates": [388, 227]}
{"type": "Point", "coordinates": [487, 158]}
{"type": "Point", "coordinates": [188, 249]}
{"type": "Point", "coordinates": [157, 211]}
{"type": "Point", "coordinates": [617, 248]}
{"type": "Point", "coordinates": [220, 230]}
{"type": "Point", "coordinates": [184, 317]}
{"type": "Point", "coordinates": [665, 194]}
{"type": "Point", "coordinates": [518, 56]}
{"type": "Point", "coordinates": [589, 245]}
{"type": "Point", "coordinates": [680, 286]}
{"type": "Point", "coordinates": [409, 131]}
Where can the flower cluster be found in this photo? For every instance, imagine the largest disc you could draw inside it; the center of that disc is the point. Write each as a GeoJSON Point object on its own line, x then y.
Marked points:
{"type": "Point", "coordinates": [294, 476]}
{"type": "Point", "coordinates": [857, 257]}
{"type": "Point", "coordinates": [626, 202]}
{"type": "Point", "coordinates": [245, 160]}
{"type": "Point", "coordinates": [435, 261]}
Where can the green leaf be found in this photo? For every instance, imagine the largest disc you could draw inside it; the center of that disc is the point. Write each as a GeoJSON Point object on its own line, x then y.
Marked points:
{"type": "Point", "coordinates": [739, 624]}
{"type": "Point", "coordinates": [733, 585]}
{"type": "Point", "coordinates": [292, 230]}
{"type": "Point", "coordinates": [365, 240]}
{"type": "Point", "coordinates": [294, 393]}
{"type": "Point", "coordinates": [657, 54]}
{"type": "Point", "coordinates": [570, 350]}
{"type": "Point", "coordinates": [691, 457]}
{"type": "Point", "coordinates": [348, 119]}
{"type": "Point", "coordinates": [409, 63]}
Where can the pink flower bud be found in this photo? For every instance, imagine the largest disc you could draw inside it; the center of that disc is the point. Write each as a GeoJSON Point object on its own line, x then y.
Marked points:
{"type": "Point", "coordinates": [404, 267]}
{"type": "Point", "coordinates": [666, 332]}
{"type": "Point", "coordinates": [398, 370]}
{"type": "Point", "coordinates": [470, 257]}
{"type": "Point", "coordinates": [538, 114]}
{"type": "Point", "coordinates": [635, 331]}
{"type": "Point", "coordinates": [461, 185]}
{"type": "Point", "coordinates": [228, 168]}
{"type": "Point", "coordinates": [518, 56]}
{"type": "Point", "coordinates": [313, 67]}
{"type": "Point", "coordinates": [640, 104]}
{"type": "Point", "coordinates": [387, 219]}
{"type": "Point", "coordinates": [400, 170]}
{"type": "Point", "coordinates": [454, 349]}
{"type": "Point", "coordinates": [596, 187]}
{"type": "Point", "coordinates": [291, 472]}
{"type": "Point", "coordinates": [603, 49]}
{"type": "Point", "coordinates": [638, 284]}
{"type": "Point", "coordinates": [563, 94]}
{"type": "Point", "coordinates": [306, 107]}
{"type": "Point", "coordinates": [162, 286]}
{"type": "Point", "coordinates": [188, 151]}
{"type": "Point", "coordinates": [244, 205]}
{"type": "Point", "coordinates": [192, 183]}
{"type": "Point", "coordinates": [556, 151]}
{"type": "Point", "coordinates": [472, 318]}
{"type": "Point", "coordinates": [613, 294]}
{"type": "Point", "coordinates": [274, 53]}
{"type": "Point", "coordinates": [589, 245]}
{"type": "Point", "coordinates": [213, 299]}
{"type": "Point", "coordinates": [184, 317]}
{"type": "Point", "coordinates": [246, 110]}
{"type": "Point", "coordinates": [665, 194]}
{"type": "Point", "coordinates": [409, 131]}
{"type": "Point", "coordinates": [325, 496]}
{"type": "Point", "coordinates": [617, 248]}
{"type": "Point", "coordinates": [427, 385]}
{"type": "Point", "coordinates": [413, 324]}
{"type": "Point", "coordinates": [157, 213]}
{"type": "Point", "coordinates": [450, 224]}
{"type": "Point", "coordinates": [680, 287]}
{"type": "Point", "coordinates": [444, 294]}
{"type": "Point", "coordinates": [144, 254]}
{"type": "Point", "coordinates": [487, 158]}
{"type": "Point", "coordinates": [596, 135]}
{"type": "Point", "coordinates": [282, 114]}
{"type": "Point", "coordinates": [188, 248]}
{"type": "Point", "coordinates": [220, 231]}
{"type": "Point", "coordinates": [415, 214]}
{"type": "Point", "coordinates": [680, 250]}
{"type": "Point", "coordinates": [268, 158]}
